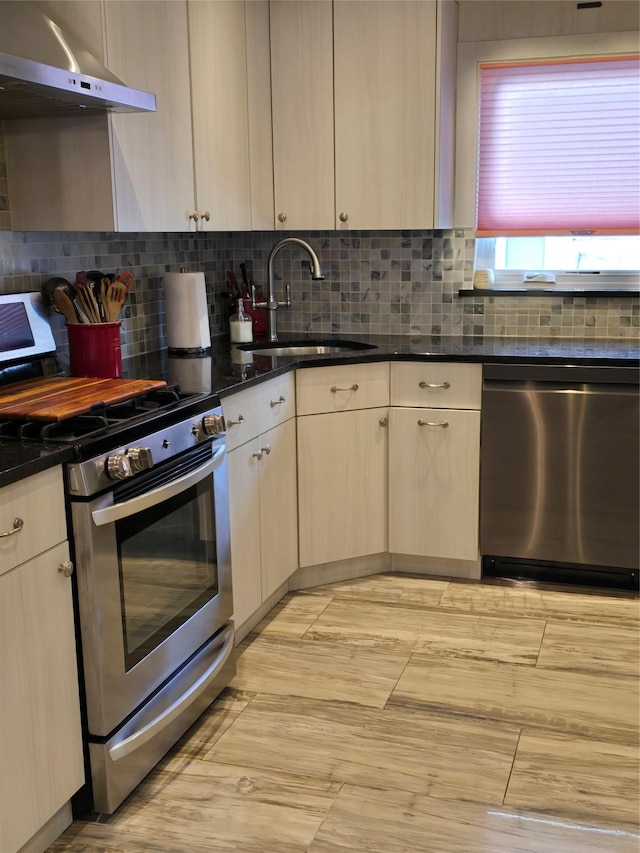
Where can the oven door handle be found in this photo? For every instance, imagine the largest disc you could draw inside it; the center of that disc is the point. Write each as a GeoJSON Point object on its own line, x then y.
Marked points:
{"type": "Point", "coordinates": [166, 717]}
{"type": "Point", "coordinates": [156, 496]}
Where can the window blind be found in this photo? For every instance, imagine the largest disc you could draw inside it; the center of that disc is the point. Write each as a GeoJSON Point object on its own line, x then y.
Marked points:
{"type": "Point", "coordinates": [559, 147]}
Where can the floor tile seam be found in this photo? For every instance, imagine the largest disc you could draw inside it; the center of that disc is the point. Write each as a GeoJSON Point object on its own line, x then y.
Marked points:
{"type": "Point", "coordinates": [598, 673]}
{"type": "Point", "coordinates": [343, 703]}
{"type": "Point", "coordinates": [324, 819]}
{"type": "Point", "coordinates": [513, 762]}
{"type": "Point", "coordinates": [384, 707]}
{"type": "Point", "coordinates": [595, 732]}
{"type": "Point", "coordinates": [309, 627]}
{"type": "Point", "coordinates": [604, 622]}
{"type": "Point", "coordinates": [384, 710]}
{"type": "Point", "coordinates": [631, 677]}
{"type": "Point", "coordinates": [544, 632]}
{"type": "Point", "coordinates": [411, 647]}
{"type": "Point", "coordinates": [438, 608]}
{"type": "Point", "coordinates": [513, 810]}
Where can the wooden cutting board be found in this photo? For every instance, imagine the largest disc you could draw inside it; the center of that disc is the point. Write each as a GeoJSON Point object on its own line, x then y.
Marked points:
{"type": "Point", "coordinates": [56, 398]}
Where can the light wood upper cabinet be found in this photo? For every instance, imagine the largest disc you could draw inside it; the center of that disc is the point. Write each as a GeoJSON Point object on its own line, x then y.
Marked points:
{"type": "Point", "coordinates": [182, 168]}
{"type": "Point", "coordinates": [217, 45]}
{"type": "Point", "coordinates": [358, 124]}
{"type": "Point", "coordinates": [302, 111]}
{"type": "Point", "coordinates": [152, 157]}
{"type": "Point", "coordinates": [384, 113]}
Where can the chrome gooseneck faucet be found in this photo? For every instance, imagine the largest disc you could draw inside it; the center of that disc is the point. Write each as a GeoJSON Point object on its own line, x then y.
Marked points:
{"type": "Point", "coordinates": [272, 303]}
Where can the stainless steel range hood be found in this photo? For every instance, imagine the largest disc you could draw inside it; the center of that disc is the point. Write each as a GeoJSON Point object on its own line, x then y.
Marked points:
{"type": "Point", "coordinates": [46, 71]}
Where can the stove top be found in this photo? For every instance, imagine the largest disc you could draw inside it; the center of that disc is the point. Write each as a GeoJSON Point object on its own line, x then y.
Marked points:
{"type": "Point", "coordinates": [100, 421]}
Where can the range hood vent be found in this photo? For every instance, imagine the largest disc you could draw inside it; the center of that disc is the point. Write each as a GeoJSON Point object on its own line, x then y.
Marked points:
{"type": "Point", "coordinates": [45, 71]}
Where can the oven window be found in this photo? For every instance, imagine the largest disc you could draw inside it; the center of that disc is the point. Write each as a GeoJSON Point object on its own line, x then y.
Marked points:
{"type": "Point", "coordinates": [168, 568]}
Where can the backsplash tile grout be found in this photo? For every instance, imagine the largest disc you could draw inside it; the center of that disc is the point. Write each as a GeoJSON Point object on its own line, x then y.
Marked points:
{"type": "Point", "coordinates": [377, 282]}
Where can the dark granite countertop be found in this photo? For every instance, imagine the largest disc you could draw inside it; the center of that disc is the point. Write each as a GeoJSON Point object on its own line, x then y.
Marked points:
{"type": "Point", "coordinates": [226, 370]}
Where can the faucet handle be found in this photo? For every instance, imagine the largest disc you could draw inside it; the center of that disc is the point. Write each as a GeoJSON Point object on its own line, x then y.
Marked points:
{"type": "Point", "coordinates": [287, 289]}
{"type": "Point", "coordinates": [255, 304]}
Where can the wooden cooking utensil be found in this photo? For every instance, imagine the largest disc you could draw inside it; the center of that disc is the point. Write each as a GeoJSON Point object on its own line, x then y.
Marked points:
{"type": "Point", "coordinates": [88, 302]}
{"type": "Point", "coordinates": [65, 306]}
{"type": "Point", "coordinates": [115, 299]}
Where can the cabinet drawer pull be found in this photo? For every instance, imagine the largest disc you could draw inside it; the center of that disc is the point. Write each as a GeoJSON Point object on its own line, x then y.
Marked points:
{"type": "Point", "coordinates": [433, 423]}
{"type": "Point", "coordinates": [66, 568]}
{"type": "Point", "coordinates": [18, 524]}
{"type": "Point", "coordinates": [435, 385]}
{"type": "Point", "coordinates": [277, 402]}
{"type": "Point", "coordinates": [334, 388]}
{"type": "Point", "coordinates": [240, 420]}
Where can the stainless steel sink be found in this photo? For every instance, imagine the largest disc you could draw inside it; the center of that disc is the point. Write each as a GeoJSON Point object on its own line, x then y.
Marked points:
{"type": "Point", "coordinates": [310, 347]}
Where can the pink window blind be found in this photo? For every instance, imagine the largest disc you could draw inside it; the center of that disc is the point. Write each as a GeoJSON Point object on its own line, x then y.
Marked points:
{"type": "Point", "coordinates": [559, 147]}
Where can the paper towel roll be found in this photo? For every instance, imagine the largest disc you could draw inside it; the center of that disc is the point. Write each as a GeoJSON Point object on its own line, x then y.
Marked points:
{"type": "Point", "coordinates": [186, 311]}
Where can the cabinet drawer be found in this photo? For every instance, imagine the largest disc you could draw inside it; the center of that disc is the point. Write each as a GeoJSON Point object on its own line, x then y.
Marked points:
{"type": "Point", "coordinates": [342, 388]}
{"type": "Point", "coordinates": [258, 409]}
{"type": "Point", "coordinates": [39, 502]}
{"type": "Point", "coordinates": [438, 385]}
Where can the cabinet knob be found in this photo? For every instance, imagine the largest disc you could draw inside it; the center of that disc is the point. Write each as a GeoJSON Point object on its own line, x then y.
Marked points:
{"type": "Point", "coordinates": [266, 449]}
{"type": "Point", "coordinates": [206, 215]}
{"type": "Point", "coordinates": [383, 422]}
{"type": "Point", "coordinates": [240, 420]}
{"type": "Point", "coordinates": [344, 217]}
{"type": "Point", "coordinates": [257, 455]}
{"type": "Point", "coordinates": [18, 524]}
{"type": "Point", "coordinates": [433, 423]}
{"type": "Point", "coordinates": [282, 217]}
{"type": "Point", "coordinates": [66, 568]}
{"type": "Point", "coordinates": [195, 216]}
{"type": "Point", "coordinates": [434, 384]}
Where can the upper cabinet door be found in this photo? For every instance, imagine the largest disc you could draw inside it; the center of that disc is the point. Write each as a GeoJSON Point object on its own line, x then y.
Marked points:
{"type": "Point", "coordinates": [385, 89]}
{"type": "Point", "coordinates": [220, 121]}
{"type": "Point", "coordinates": [302, 107]}
{"type": "Point", "coordinates": [152, 157]}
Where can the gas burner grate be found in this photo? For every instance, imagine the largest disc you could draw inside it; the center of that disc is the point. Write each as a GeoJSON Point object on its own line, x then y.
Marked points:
{"type": "Point", "coordinates": [152, 401]}
{"type": "Point", "coordinates": [57, 432]}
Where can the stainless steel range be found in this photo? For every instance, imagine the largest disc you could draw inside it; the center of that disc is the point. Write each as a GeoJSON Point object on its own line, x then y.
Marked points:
{"type": "Point", "coordinates": [149, 532]}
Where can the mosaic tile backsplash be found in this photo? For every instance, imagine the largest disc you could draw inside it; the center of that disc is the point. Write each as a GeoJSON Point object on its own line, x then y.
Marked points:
{"type": "Point", "coordinates": [387, 282]}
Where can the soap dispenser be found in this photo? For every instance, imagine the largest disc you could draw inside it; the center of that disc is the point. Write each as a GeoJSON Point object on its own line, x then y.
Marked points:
{"type": "Point", "coordinates": [241, 325]}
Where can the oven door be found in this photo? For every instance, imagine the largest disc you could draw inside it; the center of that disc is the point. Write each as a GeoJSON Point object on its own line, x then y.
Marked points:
{"type": "Point", "coordinates": [154, 579]}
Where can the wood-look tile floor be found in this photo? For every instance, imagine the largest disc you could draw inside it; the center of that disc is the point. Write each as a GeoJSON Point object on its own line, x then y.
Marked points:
{"type": "Point", "coordinates": [396, 714]}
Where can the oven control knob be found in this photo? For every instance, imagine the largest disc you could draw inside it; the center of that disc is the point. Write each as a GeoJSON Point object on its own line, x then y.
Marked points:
{"type": "Point", "coordinates": [213, 424]}
{"type": "Point", "coordinates": [118, 467]}
{"type": "Point", "coordinates": [141, 458]}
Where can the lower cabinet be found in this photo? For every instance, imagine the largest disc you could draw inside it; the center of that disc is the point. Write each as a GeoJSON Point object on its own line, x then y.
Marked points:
{"type": "Point", "coordinates": [434, 459]}
{"type": "Point", "coordinates": [264, 517]}
{"type": "Point", "coordinates": [41, 763]}
{"type": "Point", "coordinates": [434, 482]}
{"type": "Point", "coordinates": [342, 485]}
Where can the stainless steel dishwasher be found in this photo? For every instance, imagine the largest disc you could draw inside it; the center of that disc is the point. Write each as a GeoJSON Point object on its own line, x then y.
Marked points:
{"type": "Point", "coordinates": [560, 483]}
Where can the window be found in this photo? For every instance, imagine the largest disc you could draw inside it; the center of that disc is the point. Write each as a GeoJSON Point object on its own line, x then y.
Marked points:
{"type": "Point", "coordinates": [550, 173]}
